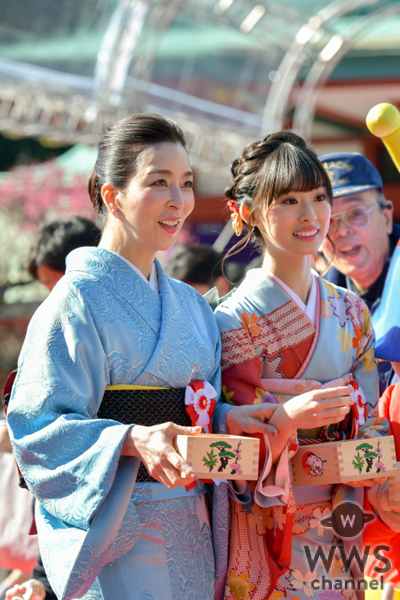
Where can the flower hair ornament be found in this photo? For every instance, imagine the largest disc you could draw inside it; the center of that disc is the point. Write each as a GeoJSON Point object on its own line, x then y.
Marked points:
{"type": "Point", "coordinates": [237, 221]}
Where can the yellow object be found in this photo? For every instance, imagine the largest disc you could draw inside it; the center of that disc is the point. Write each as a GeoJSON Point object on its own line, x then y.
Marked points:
{"type": "Point", "coordinates": [383, 120]}
{"type": "Point", "coordinates": [124, 386]}
{"type": "Point", "coordinates": [237, 223]}
{"type": "Point", "coordinates": [377, 594]}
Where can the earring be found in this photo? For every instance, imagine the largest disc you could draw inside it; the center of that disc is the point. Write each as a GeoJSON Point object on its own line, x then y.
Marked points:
{"type": "Point", "coordinates": [237, 221]}
{"type": "Point", "coordinates": [114, 212]}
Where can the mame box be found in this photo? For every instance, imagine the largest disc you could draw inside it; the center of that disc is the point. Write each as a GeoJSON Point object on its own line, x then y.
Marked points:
{"type": "Point", "coordinates": [341, 462]}
{"type": "Point", "coordinates": [394, 489]}
{"type": "Point", "coordinates": [215, 456]}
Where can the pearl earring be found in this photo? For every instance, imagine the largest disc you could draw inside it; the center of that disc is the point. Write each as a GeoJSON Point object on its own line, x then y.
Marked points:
{"type": "Point", "coordinates": [117, 214]}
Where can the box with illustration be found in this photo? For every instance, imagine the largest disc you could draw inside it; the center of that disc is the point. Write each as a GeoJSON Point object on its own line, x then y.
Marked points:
{"type": "Point", "coordinates": [215, 456]}
{"type": "Point", "coordinates": [345, 461]}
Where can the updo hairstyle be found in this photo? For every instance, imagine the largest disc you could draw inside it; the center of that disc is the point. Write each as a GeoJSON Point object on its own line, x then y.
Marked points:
{"type": "Point", "coordinates": [268, 169]}
{"type": "Point", "coordinates": [119, 150]}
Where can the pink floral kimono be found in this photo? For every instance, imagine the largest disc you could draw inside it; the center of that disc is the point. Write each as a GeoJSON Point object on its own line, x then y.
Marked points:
{"type": "Point", "coordinates": [272, 343]}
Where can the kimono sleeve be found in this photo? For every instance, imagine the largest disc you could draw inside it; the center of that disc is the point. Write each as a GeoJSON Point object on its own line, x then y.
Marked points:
{"type": "Point", "coordinates": [67, 456]}
{"type": "Point", "coordinates": [241, 384]}
{"type": "Point", "coordinates": [240, 365]}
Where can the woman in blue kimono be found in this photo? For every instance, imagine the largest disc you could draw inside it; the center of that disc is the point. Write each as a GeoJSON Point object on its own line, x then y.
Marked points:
{"type": "Point", "coordinates": [115, 318]}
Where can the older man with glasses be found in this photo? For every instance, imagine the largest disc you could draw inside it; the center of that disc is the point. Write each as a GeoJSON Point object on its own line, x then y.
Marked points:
{"type": "Point", "coordinates": [362, 236]}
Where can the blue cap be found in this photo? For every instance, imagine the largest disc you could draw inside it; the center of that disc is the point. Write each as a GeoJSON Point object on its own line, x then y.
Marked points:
{"type": "Point", "coordinates": [350, 172]}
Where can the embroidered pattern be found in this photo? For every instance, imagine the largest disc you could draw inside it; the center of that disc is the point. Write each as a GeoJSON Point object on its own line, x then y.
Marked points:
{"type": "Point", "coordinates": [340, 307]}
{"type": "Point", "coordinates": [283, 328]}
{"type": "Point", "coordinates": [246, 543]}
{"type": "Point", "coordinates": [270, 367]}
{"type": "Point", "coordinates": [236, 348]}
{"type": "Point", "coordinates": [358, 311]}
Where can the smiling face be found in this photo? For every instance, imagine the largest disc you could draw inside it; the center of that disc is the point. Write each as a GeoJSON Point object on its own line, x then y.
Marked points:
{"type": "Point", "coordinates": [295, 223]}
{"type": "Point", "coordinates": [154, 205]}
{"type": "Point", "coordinates": [360, 253]}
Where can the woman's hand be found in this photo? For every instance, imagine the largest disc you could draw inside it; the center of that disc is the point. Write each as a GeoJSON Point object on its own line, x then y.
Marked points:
{"type": "Point", "coordinates": [32, 589]}
{"type": "Point", "coordinates": [250, 418]}
{"type": "Point", "coordinates": [153, 445]}
{"type": "Point", "coordinates": [314, 409]}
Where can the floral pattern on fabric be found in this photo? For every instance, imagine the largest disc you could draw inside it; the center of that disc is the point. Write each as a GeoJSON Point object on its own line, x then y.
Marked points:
{"type": "Point", "coordinates": [260, 393]}
{"type": "Point", "coordinates": [270, 366]}
{"type": "Point", "coordinates": [340, 308]}
{"type": "Point", "coordinates": [261, 518]}
{"type": "Point", "coordinates": [326, 310]}
{"type": "Point", "coordinates": [276, 595]}
{"type": "Point", "coordinates": [346, 340]}
{"type": "Point", "coordinates": [239, 586]}
{"type": "Point", "coordinates": [302, 581]}
{"type": "Point", "coordinates": [227, 395]}
{"type": "Point", "coordinates": [249, 323]}
{"type": "Point", "coordinates": [330, 288]}
{"type": "Point", "coordinates": [283, 328]}
{"type": "Point", "coordinates": [318, 516]}
{"type": "Point", "coordinates": [358, 334]}
{"type": "Point", "coordinates": [342, 349]}
{"type": "Point", "coordinates": [337, 570]}
{"type": "Point", "coordinates": [309, 516]}
{"type": "Point", "coordinates": [368, 360]}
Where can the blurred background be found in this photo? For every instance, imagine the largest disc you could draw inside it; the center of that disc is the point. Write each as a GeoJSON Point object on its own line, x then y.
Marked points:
{"type": "Point", "coordinates": [228, 71]}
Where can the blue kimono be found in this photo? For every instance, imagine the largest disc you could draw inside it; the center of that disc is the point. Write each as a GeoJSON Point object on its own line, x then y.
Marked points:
{"type": "Point", "coordinates": [102, 536]}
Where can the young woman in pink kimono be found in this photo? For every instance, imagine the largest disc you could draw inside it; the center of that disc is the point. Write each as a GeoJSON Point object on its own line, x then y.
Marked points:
{"type": "Point", "coordinates": [287, 332]}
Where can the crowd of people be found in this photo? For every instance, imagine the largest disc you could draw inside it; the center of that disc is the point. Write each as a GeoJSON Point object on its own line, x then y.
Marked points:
{"type": "Point", "coordinates": [118, 512]}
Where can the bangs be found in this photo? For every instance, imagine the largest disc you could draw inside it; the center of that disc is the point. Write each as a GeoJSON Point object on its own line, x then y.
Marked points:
{"type": "Point", "coordinates": [291, 168]}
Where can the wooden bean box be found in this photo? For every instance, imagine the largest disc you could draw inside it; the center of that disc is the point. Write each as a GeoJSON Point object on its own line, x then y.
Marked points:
{"type": "Point", "coordinates": [342, 462]}
{"type": "Point", "coordinates": [394, 489]}
{"type": "Point", "coordinates": [215, 456]}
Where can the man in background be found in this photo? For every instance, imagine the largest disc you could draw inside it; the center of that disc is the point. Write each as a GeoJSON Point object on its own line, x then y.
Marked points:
{"type": "Point", "coordinates": [362, 236]}
{"type": "Point", "coordinates": [199, 266]}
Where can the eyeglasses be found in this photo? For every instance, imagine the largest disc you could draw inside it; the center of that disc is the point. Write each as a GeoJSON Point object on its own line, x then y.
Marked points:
{"type": "Point", "coordinates": [357, 218]}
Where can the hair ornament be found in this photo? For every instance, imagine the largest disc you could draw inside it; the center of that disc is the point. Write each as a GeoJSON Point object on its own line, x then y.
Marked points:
{"type": "Point", "coordinates": [237, 221]}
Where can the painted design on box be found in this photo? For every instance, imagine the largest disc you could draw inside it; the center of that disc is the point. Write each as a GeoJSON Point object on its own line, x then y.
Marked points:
{"type": "Point", "coordinates": [313, 464]}
{"type": "Point", "coordinates": [226, 454]}
{"type": "Point", "coordinates": [365, 457]}
{"type": "Point", "coordinates": [340, 462]}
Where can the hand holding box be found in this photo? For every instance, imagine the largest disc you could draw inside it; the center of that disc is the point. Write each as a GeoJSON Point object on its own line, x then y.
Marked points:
{"type": "Point", "coordinates": [215, 456]}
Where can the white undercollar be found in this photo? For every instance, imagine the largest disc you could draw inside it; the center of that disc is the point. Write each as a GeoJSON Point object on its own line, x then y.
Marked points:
{"type": "Point", "coordinates": [310, 307]}
{"type": "Point", "coordinates": [153, 279]}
